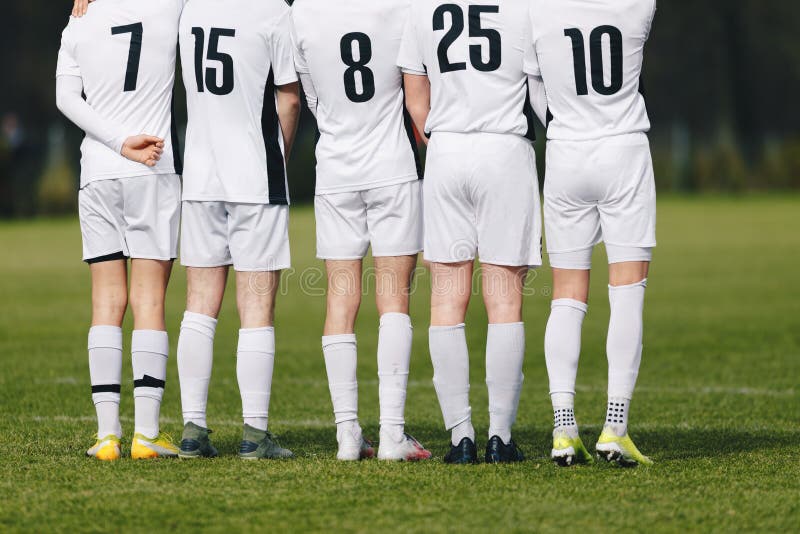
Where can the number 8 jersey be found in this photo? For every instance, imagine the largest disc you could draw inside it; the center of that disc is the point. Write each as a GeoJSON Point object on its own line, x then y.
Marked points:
{"type": "Point", "coordinates": [348, 50]}
{"type": "Point", "coordinates": [234, 54]}
{"type": "Point", "coordinates": [589, 54]}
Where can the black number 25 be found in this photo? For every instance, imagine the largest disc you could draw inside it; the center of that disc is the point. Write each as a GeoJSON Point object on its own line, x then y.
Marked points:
{"type": "Point", "coordinates": [596, 58]}
{"type": "Point", "coordinates": [134, 53]}
{"type": "Point", "coordinates": [213, 55]}
{"type": "Point", "coordinates": [475, 30]}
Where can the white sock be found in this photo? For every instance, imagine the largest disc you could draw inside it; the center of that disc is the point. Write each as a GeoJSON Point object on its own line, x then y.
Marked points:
{"type": "Point", "coordinates": [562, 344]}
{"type": "Point", "coordinates": [394, 355]}
{"type": "Point", "coordinates": [341, 361]}
{"type": "Point", "coordinates": [450, 357]}
{"type": "Point", "coordinates": [617, 415]}
{"type": "Point", "coordinates": [255, 360]}
{"type": "Point", "coordinates": [624, 344]}
{"type": "Point", "coordinates": [105, 373]}
{"type": "Point", "coordinates": [505, 352]}
{"type": "Point", "coordinates": [564, 413]}
{"type": "Point", "coordinates": [195, 359]}
{"type": "Point", "coordinates": [150, 349]}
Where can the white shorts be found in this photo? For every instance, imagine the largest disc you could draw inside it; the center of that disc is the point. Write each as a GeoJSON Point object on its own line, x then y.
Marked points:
{"type": "Point", "coordinates": [251, 237]}
{"type": "Point", "coordinates": [134, 217]}
{"type": "Point", "coordinates": [595, 191]}
{"type": "Point", "coordinates": [389, 218]}
{"type": "Point", "coordinates": [482, 196]}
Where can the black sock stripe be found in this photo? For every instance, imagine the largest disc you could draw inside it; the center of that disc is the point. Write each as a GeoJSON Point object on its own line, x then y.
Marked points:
{"type": "Point", "coordinates": [148, 382]}
{"type": "Point", "coordinates": [106, 388]}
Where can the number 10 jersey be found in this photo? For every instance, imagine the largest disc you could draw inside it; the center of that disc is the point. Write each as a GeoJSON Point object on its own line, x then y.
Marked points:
{"type": "Point", "coordinates": [589, 55]}
{"type": "Point", "coordinates": [348, 50]}
{"type": "Point", "coordinates": [233, 55]}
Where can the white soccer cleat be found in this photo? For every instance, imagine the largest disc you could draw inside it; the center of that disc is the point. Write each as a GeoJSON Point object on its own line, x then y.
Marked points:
{"type": "Point", "coordinates": [353, 446]}
{"type": "Point", "coordinates": [407, 449]}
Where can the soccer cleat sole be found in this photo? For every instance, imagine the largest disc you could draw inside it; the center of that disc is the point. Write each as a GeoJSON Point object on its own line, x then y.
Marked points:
{"type": "Point", "coordinates": [563, 457]}
{"type": "Point", "coordinates": [615, 455]}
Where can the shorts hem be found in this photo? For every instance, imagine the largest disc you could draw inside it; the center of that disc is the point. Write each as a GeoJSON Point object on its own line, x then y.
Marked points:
{"type": "Point", "coordinates": [447, 260]}
{"type": "Point", "coordinates": [396, 254]}
{"type": "Point", "coordinates": [110, 256]}
{"type": "Point", "coordinates": [503, 263]}
{"type": "Point", "coordinates": [154, 258]}
{"type": "Point", "coordinates": [198, 265]}
{"type": "Point", "coordinates": [326, 257]}
{"type": "Point", "coordinates": [271, 269]}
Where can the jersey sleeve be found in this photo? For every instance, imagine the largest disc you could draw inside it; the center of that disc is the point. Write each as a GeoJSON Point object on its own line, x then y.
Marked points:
{"type": "Point", "coordinates": [650, 20]}
{"type": "Point", "coordinates": [410, 58]}
{"type": "Point", "coordinates": [282, 54]}
{"type": "Point", "coordinates": [531, 61]}
{"type": "Point", "coordinates": [67, 64]}
{"type": "Point", "coordinates": [300, 64]}
{"type": "Point", "coordinates": [70, 102]}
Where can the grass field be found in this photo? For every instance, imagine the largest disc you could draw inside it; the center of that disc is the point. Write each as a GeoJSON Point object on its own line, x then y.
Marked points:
{"type": "Point", "coordinates": [717, 406]}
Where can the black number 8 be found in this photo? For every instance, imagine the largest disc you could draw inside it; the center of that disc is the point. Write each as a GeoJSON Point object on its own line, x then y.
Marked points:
{"type": "Point", "coordinates": [358, 66]}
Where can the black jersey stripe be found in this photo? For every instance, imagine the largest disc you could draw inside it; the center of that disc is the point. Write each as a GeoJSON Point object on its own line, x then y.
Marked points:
{"type": "Point", "coordinates": [177, 152]}
{"type": "Point", "coordinates": [408, 122]}
{"type": "Point", "coordinates": [270, 127]}
{"type": "Point", "coordinates": [527, 110]}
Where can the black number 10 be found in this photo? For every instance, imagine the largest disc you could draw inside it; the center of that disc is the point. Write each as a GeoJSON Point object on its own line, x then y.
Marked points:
{"type": "Point", "coordinates": [596, 53]}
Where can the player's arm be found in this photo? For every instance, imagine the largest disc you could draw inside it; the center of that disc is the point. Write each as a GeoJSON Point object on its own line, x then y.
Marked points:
{"type": "Point", "coordinates": [288, 113]}
{"type": "Point", "coordinates": [538, 96]}
{"type": "Point", "coordinates": [418, 100]}
{"type": "Point", "coordinates": [80, 7]}
{"type": "Point", "coordinates": [144, 149]}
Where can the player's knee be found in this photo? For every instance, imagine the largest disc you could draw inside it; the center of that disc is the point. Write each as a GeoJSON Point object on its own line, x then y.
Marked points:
{"type": "Point", "coordinates": [504, 310]}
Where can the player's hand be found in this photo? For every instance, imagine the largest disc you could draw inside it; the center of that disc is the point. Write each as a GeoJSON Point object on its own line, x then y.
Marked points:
{"type": "Point", "coordinates": [80, 7]}
{"type": "Point", "coordinates": [145, 149]}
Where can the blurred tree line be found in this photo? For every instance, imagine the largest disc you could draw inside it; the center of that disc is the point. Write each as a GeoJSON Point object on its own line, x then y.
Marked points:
{"type": "Point", "coordinates": [721, 78]}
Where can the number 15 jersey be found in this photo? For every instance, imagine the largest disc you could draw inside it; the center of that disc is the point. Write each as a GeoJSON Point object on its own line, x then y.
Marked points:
{"type": "Point", "coordinates": [589, 54]}
{"type": "Point", "coordinates": [348, 49]}
{"type": "Point", "coordinates": [233, 55]}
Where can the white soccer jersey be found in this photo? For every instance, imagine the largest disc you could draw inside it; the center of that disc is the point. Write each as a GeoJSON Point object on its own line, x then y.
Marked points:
{"type": "Point", "coordinates": [589, 54]}
{"type": "Point", "coordinates": [472, 51]}
{"type": "Point", "coordinates": [233, 55]}
{"type": "Point", "coordinates": [124, 52]}
{"type": "Point", "coordinates": [349, 49]}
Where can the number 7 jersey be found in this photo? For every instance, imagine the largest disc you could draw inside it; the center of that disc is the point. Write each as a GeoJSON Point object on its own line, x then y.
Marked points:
{"type": "Point", "coordinates": [234, 54]}
{"type": "Point", "coordinates": [348, 50]}
{"type": "Point", "coordinates": [589, 54]}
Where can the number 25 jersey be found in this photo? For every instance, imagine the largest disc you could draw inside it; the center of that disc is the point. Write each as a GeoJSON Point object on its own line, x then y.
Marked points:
{"type": "Point", "coordinates": [348, 48]}
{"type": "Point", "coordinates": [472, 52]}
{"type": "Point", "coordinates": [233, 54]}
{"type": "Point", "coordinates": [589, 54]}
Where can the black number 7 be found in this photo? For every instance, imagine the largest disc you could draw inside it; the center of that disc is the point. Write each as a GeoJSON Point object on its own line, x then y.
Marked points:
{"type": "Point", "coordinates": [134, 53]}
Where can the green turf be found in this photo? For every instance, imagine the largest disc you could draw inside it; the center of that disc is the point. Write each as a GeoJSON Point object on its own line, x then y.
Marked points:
{"type": "Point", "coordinates": [717, 406]}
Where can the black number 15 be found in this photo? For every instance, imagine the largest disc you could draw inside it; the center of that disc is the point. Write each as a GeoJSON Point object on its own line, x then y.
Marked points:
{"type": "Point", "coordinates": [213, 55]}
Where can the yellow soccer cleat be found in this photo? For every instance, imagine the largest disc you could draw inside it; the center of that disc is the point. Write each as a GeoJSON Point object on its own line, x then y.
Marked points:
{"type": "Point", "coordinates": [144, 448]}
{"type": "Point", "coordinates": [568, 450]}
{"type": "Point", "coordinates": [106, 449]}
{"type": "Point", "coordinates": [613, 448]}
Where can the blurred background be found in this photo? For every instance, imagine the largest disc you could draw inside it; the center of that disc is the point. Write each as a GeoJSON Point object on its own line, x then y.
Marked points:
{"type": "Point", "coordinates": [722, 79]}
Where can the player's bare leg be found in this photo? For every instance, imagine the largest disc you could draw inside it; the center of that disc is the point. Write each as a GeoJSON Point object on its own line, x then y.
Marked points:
{"type": "Point", "coordinates": [109, 302]}
{"type": "Point", "coordinates": [150, 350]}
{"type": "Point", "coordinates": [627, 283]}
{"type": "Point", "coordinates": [341, 356]}
{"type": "Point", "coordinates": [255, 361]}
{"type": "Point", "coordinates": [562, 347]}
{"type": "Point", "coordinates": [204, 294]}
{"type": "Point", "coordinates": [505, 352]}
{"type": "Point", "coordinates": [451, 288]}
{"type": "Point", "coordinates": [393, 276]}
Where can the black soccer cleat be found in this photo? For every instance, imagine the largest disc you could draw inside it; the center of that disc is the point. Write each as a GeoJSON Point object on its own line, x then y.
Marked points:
{"type": "Point", "coordinates": [498, 452]}
{"type": "Point", "coordinates": [463, 453]}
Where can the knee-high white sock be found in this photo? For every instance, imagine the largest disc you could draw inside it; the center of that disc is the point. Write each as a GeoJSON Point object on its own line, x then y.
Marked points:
{"type": "Point", "coordinates": [505, 352]}
{"type": "Point", "coordinates": [562, 349]}
{"type": "Point", "coordinates": [255, 360]}
{"type": "Point", "coordinates": [341, 362]}
{"type": "Point", "coordinates": [195, 359]}
{"type": "Point", "coordinates": [394, 355]}
{"type": "Point", "coordinates": [150, 349]}
{"type": "Point", "coordinates": [624, 346]}
{"type": "Point", "coordinates": [105, 373]}
{"type": "Point", "coordinates": [450, 358]}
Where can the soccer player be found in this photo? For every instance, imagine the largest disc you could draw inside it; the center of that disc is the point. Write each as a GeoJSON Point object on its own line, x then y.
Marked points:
{"type": "Point", "coordinates": [465, 87]}
{"type": "Point", "coordinates": [243, 105]}
{"type": "Point", "coordinates": [122, 56]}
{"type": "Point", "coordinates": [584, 60]}
{"type": "Point", "coordinates": [368, 192]}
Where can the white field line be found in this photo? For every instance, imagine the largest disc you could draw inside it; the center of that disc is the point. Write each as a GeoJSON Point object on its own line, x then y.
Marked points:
{"type": "Point", "coordinates": [655, 390]}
